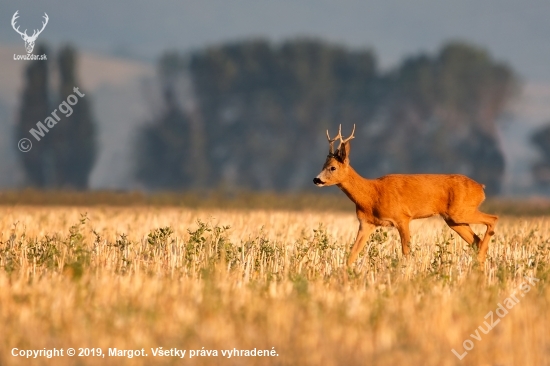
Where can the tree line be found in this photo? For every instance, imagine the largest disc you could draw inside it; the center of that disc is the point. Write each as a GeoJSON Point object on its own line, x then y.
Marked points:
{"type": "Point", "coordinates": [260, 111]}
{"type": "Point", "coordinates": [253, 114]}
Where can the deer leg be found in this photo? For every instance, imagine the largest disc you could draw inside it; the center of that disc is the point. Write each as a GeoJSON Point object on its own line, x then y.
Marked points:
{"type": "Point", "coordinates": [478, 217]}
{"type": "Point", "coordinates": [365, 229]}
{"type": "Point", "coordinates": [489, 221]}
{"type": "Point", "coordinates": [465, 232]}
{"type": "Point", "coordinates": [405, 235]}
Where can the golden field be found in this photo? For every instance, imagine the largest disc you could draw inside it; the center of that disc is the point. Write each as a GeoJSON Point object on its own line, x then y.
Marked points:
{"type": "Point", "coordinates": [204, 279]}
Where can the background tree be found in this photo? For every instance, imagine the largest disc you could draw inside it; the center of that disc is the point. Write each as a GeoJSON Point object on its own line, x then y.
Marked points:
{"type": "Point", "coordinates": [35, 106]}
{"type": "Point", "coordinates": [265, 107]}
{"type": "Point", "coordinates": [169, 149]}
{"type": "Point", "coordinates": [444, 110]}
{"type": "Point", "coordinates": [74, 137]}
{"type": "Point", "coordinates": [541, 169]}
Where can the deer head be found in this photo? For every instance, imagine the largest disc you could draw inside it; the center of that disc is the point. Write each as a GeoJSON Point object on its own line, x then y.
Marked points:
{"type": "Point", "coordinates": [336, 166]}
{"type": "Point", "coordinates": [29, 40]}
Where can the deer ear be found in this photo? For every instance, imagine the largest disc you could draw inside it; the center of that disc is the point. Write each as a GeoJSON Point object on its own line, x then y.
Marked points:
{"type": "Point", "coordinates": [343, 152]}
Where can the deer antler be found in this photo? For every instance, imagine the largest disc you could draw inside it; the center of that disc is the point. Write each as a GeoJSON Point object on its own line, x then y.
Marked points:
{"type": "Point", "coordinates": [13, 21]}
{"type": "Point", "coordinates": [331, 141]}
{"type": "Point", "coordinates": [349, 138]}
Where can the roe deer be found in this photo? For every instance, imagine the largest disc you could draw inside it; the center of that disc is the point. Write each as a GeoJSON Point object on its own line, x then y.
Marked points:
{"type": "Point", "coordinates": [396, 199]}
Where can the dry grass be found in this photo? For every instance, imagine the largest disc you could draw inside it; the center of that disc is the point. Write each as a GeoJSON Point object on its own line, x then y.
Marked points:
{"type": "Point", "coordinates": [137, 278]}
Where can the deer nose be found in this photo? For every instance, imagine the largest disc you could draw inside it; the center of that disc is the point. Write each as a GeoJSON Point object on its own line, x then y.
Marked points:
{"type": "Point", "coordinates": [317, 181]}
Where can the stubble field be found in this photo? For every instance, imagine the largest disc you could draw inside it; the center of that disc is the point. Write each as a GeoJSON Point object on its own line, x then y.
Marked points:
{"type": "Point", "coordinates": [203, 280]}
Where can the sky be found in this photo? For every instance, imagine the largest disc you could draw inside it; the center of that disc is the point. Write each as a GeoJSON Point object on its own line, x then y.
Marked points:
{"type": "Point", "coordinates": [513, 31]}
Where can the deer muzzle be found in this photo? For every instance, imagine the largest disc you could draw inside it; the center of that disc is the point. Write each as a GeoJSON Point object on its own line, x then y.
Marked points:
{"type": "Point", "coordinates": [318, 182]}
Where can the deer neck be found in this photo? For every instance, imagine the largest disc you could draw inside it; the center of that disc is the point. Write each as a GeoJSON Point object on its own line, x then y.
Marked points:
{"type": "Point", "coordinates": [358, 189]}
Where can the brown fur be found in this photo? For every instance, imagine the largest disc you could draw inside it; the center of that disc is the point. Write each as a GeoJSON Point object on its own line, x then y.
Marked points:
{"type": "Point", "coordinates": [395, 200]}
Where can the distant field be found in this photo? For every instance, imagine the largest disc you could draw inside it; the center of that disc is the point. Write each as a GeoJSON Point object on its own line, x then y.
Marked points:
{"type": "Point", "coordinates": [326, 199]}
{"type": "Point", "coordinates": [177, 277]}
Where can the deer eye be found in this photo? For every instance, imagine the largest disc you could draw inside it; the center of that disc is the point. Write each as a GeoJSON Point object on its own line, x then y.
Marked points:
{"type": "Point", "coordinates": [332, 168]}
